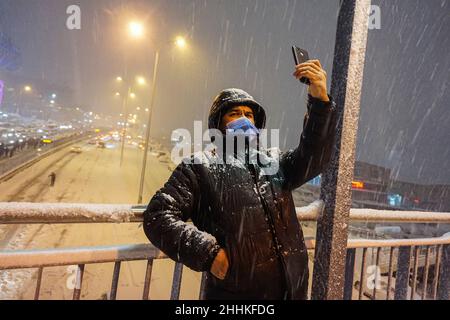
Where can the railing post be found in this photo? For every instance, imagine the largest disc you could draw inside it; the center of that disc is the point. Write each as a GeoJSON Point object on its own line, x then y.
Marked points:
{"type": "Point", "coordinates": [201, 294]}
{"type": "Point", "coordinates": [332, 225]}
{"type": "Point", "coordinates": [402, 276]}
{"type": "Point", "coordinates": [78, 282]}
{"type": "Point", "coordinates": [176, 282]}
{"type": "Point", "coordinates": [349, 273]}
{"type": "Point", "coordinates": [38, 283]}
{"type": "Point", "coordinates": [115, 280]}
{"type": "Point", "coordinates": [444, 275]}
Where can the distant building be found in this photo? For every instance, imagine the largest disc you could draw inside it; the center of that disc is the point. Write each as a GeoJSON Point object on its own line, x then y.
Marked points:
{"type": "Point", "coordinates": [373, 187]}
{"type": "Point", "coordinates": [423, 197]}
{"type": "Point", "coordinates": [370, 186]}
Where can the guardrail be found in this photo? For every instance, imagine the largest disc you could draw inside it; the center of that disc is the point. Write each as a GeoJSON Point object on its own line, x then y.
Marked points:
{"type": "Point", "coordinates": [34, 158]}
{"type": "Point", "coordinates": [434, 252]}
{"type": "Point", "coordinates": [55, 213]}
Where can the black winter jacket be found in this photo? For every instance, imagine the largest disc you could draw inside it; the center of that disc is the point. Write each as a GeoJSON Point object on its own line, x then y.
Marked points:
{"type": "Point", "coordinates": [248, 214]}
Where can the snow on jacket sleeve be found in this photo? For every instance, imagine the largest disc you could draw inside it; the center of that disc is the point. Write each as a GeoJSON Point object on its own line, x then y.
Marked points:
{"type": "Point", "coordinates": [165, 222]}
{"type": "Point", "coordinates": [313, 154]}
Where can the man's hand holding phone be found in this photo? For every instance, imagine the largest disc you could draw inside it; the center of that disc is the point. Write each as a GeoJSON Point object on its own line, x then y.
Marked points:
{"type": "Point", "coordinates": [310, 72]}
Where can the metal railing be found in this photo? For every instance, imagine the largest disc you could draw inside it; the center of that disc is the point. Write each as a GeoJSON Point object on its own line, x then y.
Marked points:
{"type": "Point", "coordinates": [391, 256]}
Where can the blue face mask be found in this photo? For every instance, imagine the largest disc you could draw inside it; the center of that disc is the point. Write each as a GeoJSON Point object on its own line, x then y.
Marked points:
{"type": "Point", "coordinates": [241, 126]}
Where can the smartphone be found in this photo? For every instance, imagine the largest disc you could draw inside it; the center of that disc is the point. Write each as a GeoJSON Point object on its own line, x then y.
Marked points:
{"type": "Point", "coordinates": [300, 56]}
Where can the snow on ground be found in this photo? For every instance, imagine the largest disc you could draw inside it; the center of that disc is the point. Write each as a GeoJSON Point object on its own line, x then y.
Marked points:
{"type": "Point", "coordinates": [92, 177]}
{"type": "Point", "coordinates": [11, 280]}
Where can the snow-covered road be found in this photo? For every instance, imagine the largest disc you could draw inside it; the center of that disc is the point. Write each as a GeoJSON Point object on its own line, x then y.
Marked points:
{"type": "Point", "coordinates": [93, 176]}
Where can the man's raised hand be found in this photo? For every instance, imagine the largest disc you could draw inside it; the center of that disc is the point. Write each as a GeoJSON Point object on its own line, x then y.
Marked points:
{"type": "Point", "coordinates": [312, 69]}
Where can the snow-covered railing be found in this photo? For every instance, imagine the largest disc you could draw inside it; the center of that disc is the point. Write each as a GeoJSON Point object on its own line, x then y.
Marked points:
{"type": "Point", "coordinates": [21, 213]}
{"type": "Point", "coordinates": [314, 210]}
{"type": "Point", "coordinates": [53, 213]}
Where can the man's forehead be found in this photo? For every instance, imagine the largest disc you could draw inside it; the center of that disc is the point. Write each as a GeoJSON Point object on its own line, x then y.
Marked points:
{"type": "Point", "coordinates": [237, 108]}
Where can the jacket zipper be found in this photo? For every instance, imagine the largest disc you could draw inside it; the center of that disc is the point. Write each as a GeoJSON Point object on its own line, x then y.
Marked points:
{"type": "Point", "coordinates": [271, 225]}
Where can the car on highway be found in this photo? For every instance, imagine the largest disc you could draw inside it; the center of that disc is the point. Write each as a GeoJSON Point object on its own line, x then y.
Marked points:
{"type": "Point", "coordinates": [76, 149]}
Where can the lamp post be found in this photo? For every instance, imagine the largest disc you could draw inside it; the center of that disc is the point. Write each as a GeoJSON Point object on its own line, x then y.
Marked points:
{"type": "Point", "coordinates": [131, 95]}
{"type": "Point", "coordinates": [125, 122]}
{"type": "Point", "coordinates": [180, 42]}
{"type": "Point", "coordinates": [147, 131]}
{"type": "Point", "coordinates": [137, 31]}
{"type": "Point", "coordinates": [26, 89]}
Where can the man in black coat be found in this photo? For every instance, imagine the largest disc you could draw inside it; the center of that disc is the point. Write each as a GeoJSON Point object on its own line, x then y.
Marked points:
{"type": "Point", "coordinates": [244, 231]}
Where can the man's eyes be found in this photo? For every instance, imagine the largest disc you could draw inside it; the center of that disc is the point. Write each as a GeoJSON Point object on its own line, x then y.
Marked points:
{"type": "Point", "coordinates": [234, 114]}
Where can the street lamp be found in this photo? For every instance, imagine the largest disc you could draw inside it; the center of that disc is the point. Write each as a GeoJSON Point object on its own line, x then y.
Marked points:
{"type": "Point", "coordinates": [26, 89]}
{"type": "Point", "coordinates": [180, 43]}
{"type": "Point", "coordinates": [136, 29]}
{"type": "Point", "coordinates": [140, 81]}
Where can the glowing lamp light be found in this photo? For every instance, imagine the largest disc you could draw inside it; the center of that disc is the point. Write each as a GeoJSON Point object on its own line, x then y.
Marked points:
{"type": "Point", "coordinates": [180, 42]}
{"type": "Point", "coordinates": [136, 29]}
{"type": "Point", "coordinates": [141, 81]}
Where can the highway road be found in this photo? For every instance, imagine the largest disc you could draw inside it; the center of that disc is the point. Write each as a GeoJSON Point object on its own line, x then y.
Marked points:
{"type": "Point", "coordinates": [92, 176]}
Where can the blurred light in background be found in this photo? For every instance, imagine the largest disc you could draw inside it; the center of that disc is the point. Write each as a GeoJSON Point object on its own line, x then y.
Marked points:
{"type": "Point", "coordinates": [136, 29]}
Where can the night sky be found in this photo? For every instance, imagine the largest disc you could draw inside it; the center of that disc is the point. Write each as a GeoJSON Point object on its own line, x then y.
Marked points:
{"type": "Point", "coordinates": [405, 115]}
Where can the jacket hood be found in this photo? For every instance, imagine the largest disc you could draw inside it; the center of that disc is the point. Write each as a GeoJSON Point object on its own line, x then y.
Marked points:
{"type": "Point", "coordinates": [234, 97]}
